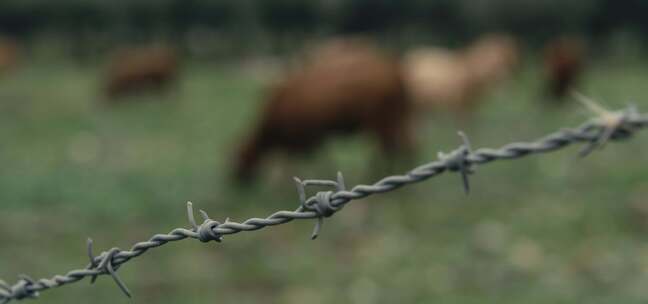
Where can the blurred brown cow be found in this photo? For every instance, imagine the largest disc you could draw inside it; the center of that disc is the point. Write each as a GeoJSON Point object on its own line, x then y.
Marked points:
{"type": "Point", "coordinates": [8, 55]}
{"type": "Point", "coordinates": [563, 63]}
{"type": "Point", "coordinates": [138, 69]}
{"type": "Point", "coordinates": [344, 86]}
{"type": "Point", "coordinates": [439, 78]}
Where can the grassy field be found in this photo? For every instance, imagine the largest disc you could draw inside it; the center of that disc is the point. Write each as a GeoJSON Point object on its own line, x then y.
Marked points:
{"type": "Point", "coordinates": [545, 229]}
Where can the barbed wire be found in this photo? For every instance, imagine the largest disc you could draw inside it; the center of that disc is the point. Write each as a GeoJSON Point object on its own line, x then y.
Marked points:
{"type": "Point", "coordinates": [595, 133]}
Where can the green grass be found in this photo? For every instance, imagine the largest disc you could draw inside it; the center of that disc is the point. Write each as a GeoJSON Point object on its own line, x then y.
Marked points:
{"type": "Point", "coordinates": [544, 229]}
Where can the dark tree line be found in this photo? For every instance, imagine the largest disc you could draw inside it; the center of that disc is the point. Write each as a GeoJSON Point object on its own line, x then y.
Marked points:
{"type": "Point", "coordinates": [446, 20]}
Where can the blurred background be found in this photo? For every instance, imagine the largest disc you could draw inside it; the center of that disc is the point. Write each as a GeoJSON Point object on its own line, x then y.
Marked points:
{"type": "Point", "coordinates": [113, 114]}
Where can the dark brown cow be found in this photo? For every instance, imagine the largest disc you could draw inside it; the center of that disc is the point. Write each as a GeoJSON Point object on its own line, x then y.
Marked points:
{"type": "Point", "coordinates": [344, 86]}
{"type": "Point", "coordinates": [563, 63]}
{"type": "Point", "coordinates": [8, 55]}
{"type": "Point", "coordinates": [138, 69]}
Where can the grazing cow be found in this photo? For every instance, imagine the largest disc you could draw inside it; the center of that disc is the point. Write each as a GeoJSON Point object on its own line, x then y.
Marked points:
{"type": "Point", "coordinates": [342, 87]}
{"type": "Point", "coordinates": [139, 69]}
{"type": "Point", "coordinates": [8, 54]}
{"type": "Point", "coordinates": [563, 63]}
{"type": "Point", "coordinates": [456, 80]}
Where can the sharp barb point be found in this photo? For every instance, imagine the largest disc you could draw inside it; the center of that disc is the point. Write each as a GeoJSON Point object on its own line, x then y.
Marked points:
{"type": "Point", "coordinates": [301, 192]}
{"type": "Point", "coordinates": [204, 214]}
{"type": "Point", "coordinates": [466, 184]}
{"type": "Point", "coordinates": [318, 228]}
{"type": "Point", "coordinates": [340, 181]}
{"type": "Point", "coordinates": [118, 280]}
{"type": "Point", "coordinates": [190, 216]}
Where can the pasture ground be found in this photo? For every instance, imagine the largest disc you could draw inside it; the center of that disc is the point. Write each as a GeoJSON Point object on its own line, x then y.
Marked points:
{"type": "Point", "coordinates": [545, 229]}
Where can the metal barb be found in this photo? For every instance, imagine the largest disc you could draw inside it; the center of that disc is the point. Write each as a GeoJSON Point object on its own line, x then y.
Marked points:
{"type": "Point", "coordinates": [341, 186]}
{"type": "Point", "coordinates": [457, 161]}
{"type": "Point", "coordinates": [206, 231]}
{"type": "Point", "coordinates": [92, 264]}
{"type": "Point", "coordinates": [300, 191]}
{"type": "Point", "coordinates": [204, 215]}
{"type": "Point", "coordinates": [609, 123]}
{"type": "Point", "coordinates": [106, 266]}
{"type": "Point", "coordinates": [590, 104]}
{"type": "Point", "coordinates": [321, 202]}
{"type": "Point", "coordinates": [190, 216]}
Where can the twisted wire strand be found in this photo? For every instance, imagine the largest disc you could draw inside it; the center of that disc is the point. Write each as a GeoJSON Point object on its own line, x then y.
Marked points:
{"type": "Point", "coordinates": [325, 203]}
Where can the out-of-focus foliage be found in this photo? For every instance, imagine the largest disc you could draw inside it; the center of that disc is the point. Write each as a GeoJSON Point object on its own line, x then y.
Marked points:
{"type": "Point", "coordinates": [444, 20]}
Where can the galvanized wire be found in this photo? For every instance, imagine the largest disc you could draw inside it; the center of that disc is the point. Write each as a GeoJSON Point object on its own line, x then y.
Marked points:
{"type": "Point", "coordinates": [614, 126]}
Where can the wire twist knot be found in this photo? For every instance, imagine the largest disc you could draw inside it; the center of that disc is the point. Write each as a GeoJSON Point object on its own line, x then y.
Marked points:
{"type": "Point", "coordinates": [320, 203]}
{"type": "Point", "coordinates": [19, 291]}
{"type": "Point", "coordinates": [610, 124]}
{"type": "Point", "coordinates": [206, 231]}
{"type": "Point", "coordinates": [457, 161]}
{"type": "Point", "coordinates": [323, 205]}
{"type": "Point", "coordinates": [104, 263]}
